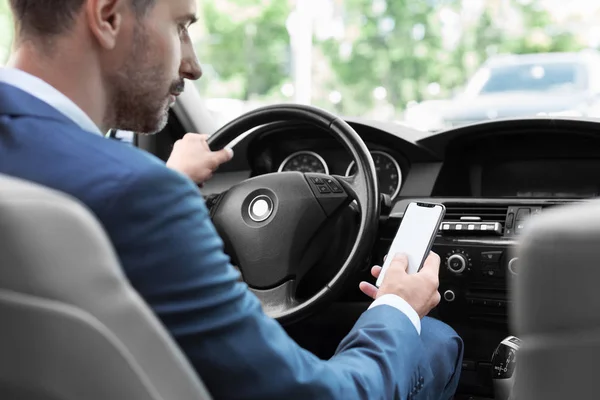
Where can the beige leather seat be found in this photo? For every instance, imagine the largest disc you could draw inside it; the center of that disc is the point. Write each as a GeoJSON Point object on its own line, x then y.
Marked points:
{"type": "Point", "coordinates": [557, 305]}
{"type": "Point", "coordinates": [71, 326]}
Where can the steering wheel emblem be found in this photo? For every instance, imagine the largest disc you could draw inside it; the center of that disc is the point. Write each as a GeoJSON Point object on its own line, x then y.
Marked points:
{"type": "Point", "coordinates": [261, 208]}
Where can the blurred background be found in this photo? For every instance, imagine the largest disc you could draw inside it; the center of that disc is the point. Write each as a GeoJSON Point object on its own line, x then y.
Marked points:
{"type": "Point", "coordinates": [429, 64]}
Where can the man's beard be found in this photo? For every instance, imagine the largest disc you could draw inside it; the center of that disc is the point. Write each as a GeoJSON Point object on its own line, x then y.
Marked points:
{"type": "Point", "coordinates": [140, 100]}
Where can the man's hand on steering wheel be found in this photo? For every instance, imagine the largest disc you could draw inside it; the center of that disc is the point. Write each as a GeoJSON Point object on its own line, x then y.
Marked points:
{"type": "Point", "coordinates": [193, 157]}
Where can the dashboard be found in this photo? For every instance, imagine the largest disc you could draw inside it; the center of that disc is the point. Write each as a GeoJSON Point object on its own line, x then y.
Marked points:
{"type": "Point", "coordinates": [492, 177]}
{"type": "Point", "coordinates": [304, 148]}
{"type": "Point", "coordinates": [522, 159]}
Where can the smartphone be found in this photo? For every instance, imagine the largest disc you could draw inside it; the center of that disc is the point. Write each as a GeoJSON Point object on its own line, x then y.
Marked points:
{"type": "Point", "coordinates": [415, 235]}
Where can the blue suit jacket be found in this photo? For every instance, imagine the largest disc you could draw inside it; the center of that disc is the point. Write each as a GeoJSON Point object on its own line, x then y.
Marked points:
{"type": "Point", "coordinates": [171, 253]}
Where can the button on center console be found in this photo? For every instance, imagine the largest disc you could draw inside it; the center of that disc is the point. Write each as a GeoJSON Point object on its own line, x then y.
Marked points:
{"type": "Point", "coordinates": [516, 218]}
{"type": "Point", "coordinates": [523, 213]}
{"type": "Point", "coordinates": [510, 220]}
{"type": "Point", "coordinates": [449, 296]}
{"type": "Point", "coordinates": [490, 263]}
{"type": "Point", "coordinates": [491, 256]}
{"type": "Point", "coordinates": [457, 263]}
{"type": "Point", "coordinates": [513, 266]}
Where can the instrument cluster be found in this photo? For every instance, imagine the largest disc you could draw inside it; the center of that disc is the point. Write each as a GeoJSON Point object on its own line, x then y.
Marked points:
{"type": "Point", "coordinates": [389, 173]}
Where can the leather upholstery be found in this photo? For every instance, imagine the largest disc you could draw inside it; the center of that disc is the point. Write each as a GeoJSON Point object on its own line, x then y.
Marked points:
{"type": "Point", "coordinates": [71, 326]}
{"type": "Point", "coordinates": [557, 307]}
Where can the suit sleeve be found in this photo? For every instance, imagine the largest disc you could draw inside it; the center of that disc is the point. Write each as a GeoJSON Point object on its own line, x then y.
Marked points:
{"type": "Point", "coordinates": [174, 258]}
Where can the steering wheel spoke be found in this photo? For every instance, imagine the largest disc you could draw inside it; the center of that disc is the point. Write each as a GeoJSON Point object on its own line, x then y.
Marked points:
{"type": "Point", "coordinates": [212, 201]}
{"type": "Point", "coordinates": [353, 185]}
{"type": "Point", "coordinates": [278, 300]}
{"type": "Point", "coordinates": [328, 191]}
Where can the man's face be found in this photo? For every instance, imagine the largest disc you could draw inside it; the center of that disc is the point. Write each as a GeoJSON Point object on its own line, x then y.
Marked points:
{"type": "Point", "coordinates": [155, 60]}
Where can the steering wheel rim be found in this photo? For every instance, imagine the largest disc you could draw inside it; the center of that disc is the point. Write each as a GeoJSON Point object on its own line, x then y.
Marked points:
{"type": "Point", "coordinates": [279, 301]}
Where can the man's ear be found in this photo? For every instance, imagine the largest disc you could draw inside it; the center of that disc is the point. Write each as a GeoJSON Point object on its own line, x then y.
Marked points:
{"type": "Point", "coordinates": [105, 19]}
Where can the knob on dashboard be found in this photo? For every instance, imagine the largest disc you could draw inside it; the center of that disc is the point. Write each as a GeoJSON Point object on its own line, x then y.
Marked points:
{"type": "Point", "coordinates": [449, 296]}
{"type": "Point", "coordinates": [457, 263]}
{"type": "Point", "coordinates": [513, 266]}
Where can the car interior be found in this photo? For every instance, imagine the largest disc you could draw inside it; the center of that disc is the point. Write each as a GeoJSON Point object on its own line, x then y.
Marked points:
{"type": "Point", "coordinates": [493, 178]}
{"type": "Point", "coordinates": [312, 199]}
{"type": "Point", "coordinates": [518, 232]}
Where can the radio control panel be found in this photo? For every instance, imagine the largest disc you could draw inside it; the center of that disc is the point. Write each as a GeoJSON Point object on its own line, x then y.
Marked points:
{"type": "Point", "coordinates": [474, 280]}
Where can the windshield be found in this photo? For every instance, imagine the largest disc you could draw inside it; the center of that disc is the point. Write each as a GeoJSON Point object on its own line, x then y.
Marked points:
{"type": "Point", "coordinates": [428, 64]}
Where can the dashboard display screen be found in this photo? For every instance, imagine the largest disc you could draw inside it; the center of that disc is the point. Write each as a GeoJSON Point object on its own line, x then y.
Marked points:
{"type": "Point", "coordinates": [541, 179]}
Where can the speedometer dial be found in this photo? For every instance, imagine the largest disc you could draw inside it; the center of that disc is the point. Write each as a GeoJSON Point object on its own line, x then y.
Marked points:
{"type": "Point", "coordinates": [304, 161]}
{"type": "Point", "coordinates": [389, 174]}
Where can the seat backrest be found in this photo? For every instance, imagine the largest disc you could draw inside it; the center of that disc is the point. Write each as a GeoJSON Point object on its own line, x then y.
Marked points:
{"type": "Point", "coordinates": [71, 326]}
{"type": "Point", "coordinates": [557, 305]}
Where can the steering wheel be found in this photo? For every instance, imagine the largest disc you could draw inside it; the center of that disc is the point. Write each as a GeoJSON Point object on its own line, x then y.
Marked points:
{"type": "Point", "coordinates": [271, 222]}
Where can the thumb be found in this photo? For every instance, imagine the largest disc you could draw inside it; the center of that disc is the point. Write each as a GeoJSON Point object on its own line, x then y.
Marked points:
{"type": "Point", "coordinates": [223, 155]}
{"type": "Point", "coordinates": [432, 264]}
{"type": "Point", "coordinates": [400, 262]}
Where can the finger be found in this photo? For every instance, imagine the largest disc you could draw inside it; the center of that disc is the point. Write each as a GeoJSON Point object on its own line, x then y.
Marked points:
{"type": "Point", "coordinates": [368, 289]}
{"type": "Point", "coordinates": [222, 156]}
{"type": "Point", "coordinates": [192, 136]}
{"type": "Point", "coordinates": [177, 143]}
{"type": "Point", "coordinates": [199, 138]}
{"type": "Point", "coordinates": [400, 262]}
{"type": "Point", "coordinates": [435, 299]}
{"type": "Point", "coordinates": [432, 264]}
{"type": "Point", "coordinates": [384, 257]}
{"type": "Point", "coordinates": [376, 271]}
{"type": "Point", "coordinates": [204, 142]}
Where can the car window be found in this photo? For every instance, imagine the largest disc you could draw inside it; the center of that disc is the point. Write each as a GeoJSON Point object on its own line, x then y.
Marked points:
{"type": "Point", "coordinates": [410, 62]}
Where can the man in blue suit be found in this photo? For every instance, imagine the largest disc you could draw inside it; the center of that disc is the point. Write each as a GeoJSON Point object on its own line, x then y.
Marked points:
{"type": "Point", "coordinates": [81, 67]}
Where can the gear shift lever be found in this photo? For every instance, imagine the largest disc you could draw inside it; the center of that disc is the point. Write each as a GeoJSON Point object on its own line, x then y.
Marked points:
{"type": "Point", "coordinates": [504, 362]}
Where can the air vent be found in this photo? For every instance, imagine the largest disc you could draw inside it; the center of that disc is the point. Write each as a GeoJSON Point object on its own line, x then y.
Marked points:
{"type": "Point", "coordinates": [475, 212]}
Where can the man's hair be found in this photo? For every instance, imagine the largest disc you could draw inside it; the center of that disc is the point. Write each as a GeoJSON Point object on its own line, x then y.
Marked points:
{"type": "Point", "coordinates": [44, 18]}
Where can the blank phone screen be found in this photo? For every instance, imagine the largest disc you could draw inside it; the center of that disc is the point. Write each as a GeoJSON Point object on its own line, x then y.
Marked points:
{"type": "Point", "coordinates": [418, 226]}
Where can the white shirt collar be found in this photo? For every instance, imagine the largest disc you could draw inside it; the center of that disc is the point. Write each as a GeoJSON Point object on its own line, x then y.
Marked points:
{"type": "Point", "coordinates": [48, 94]}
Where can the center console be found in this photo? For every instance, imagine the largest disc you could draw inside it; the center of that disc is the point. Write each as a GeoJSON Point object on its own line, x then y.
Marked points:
{"type": "Point", "coordinates": [476, 243]}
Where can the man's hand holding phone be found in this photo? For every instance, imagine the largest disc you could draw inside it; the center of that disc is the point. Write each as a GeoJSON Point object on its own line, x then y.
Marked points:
{"type": "Point", "coordinates": [419, 290]}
